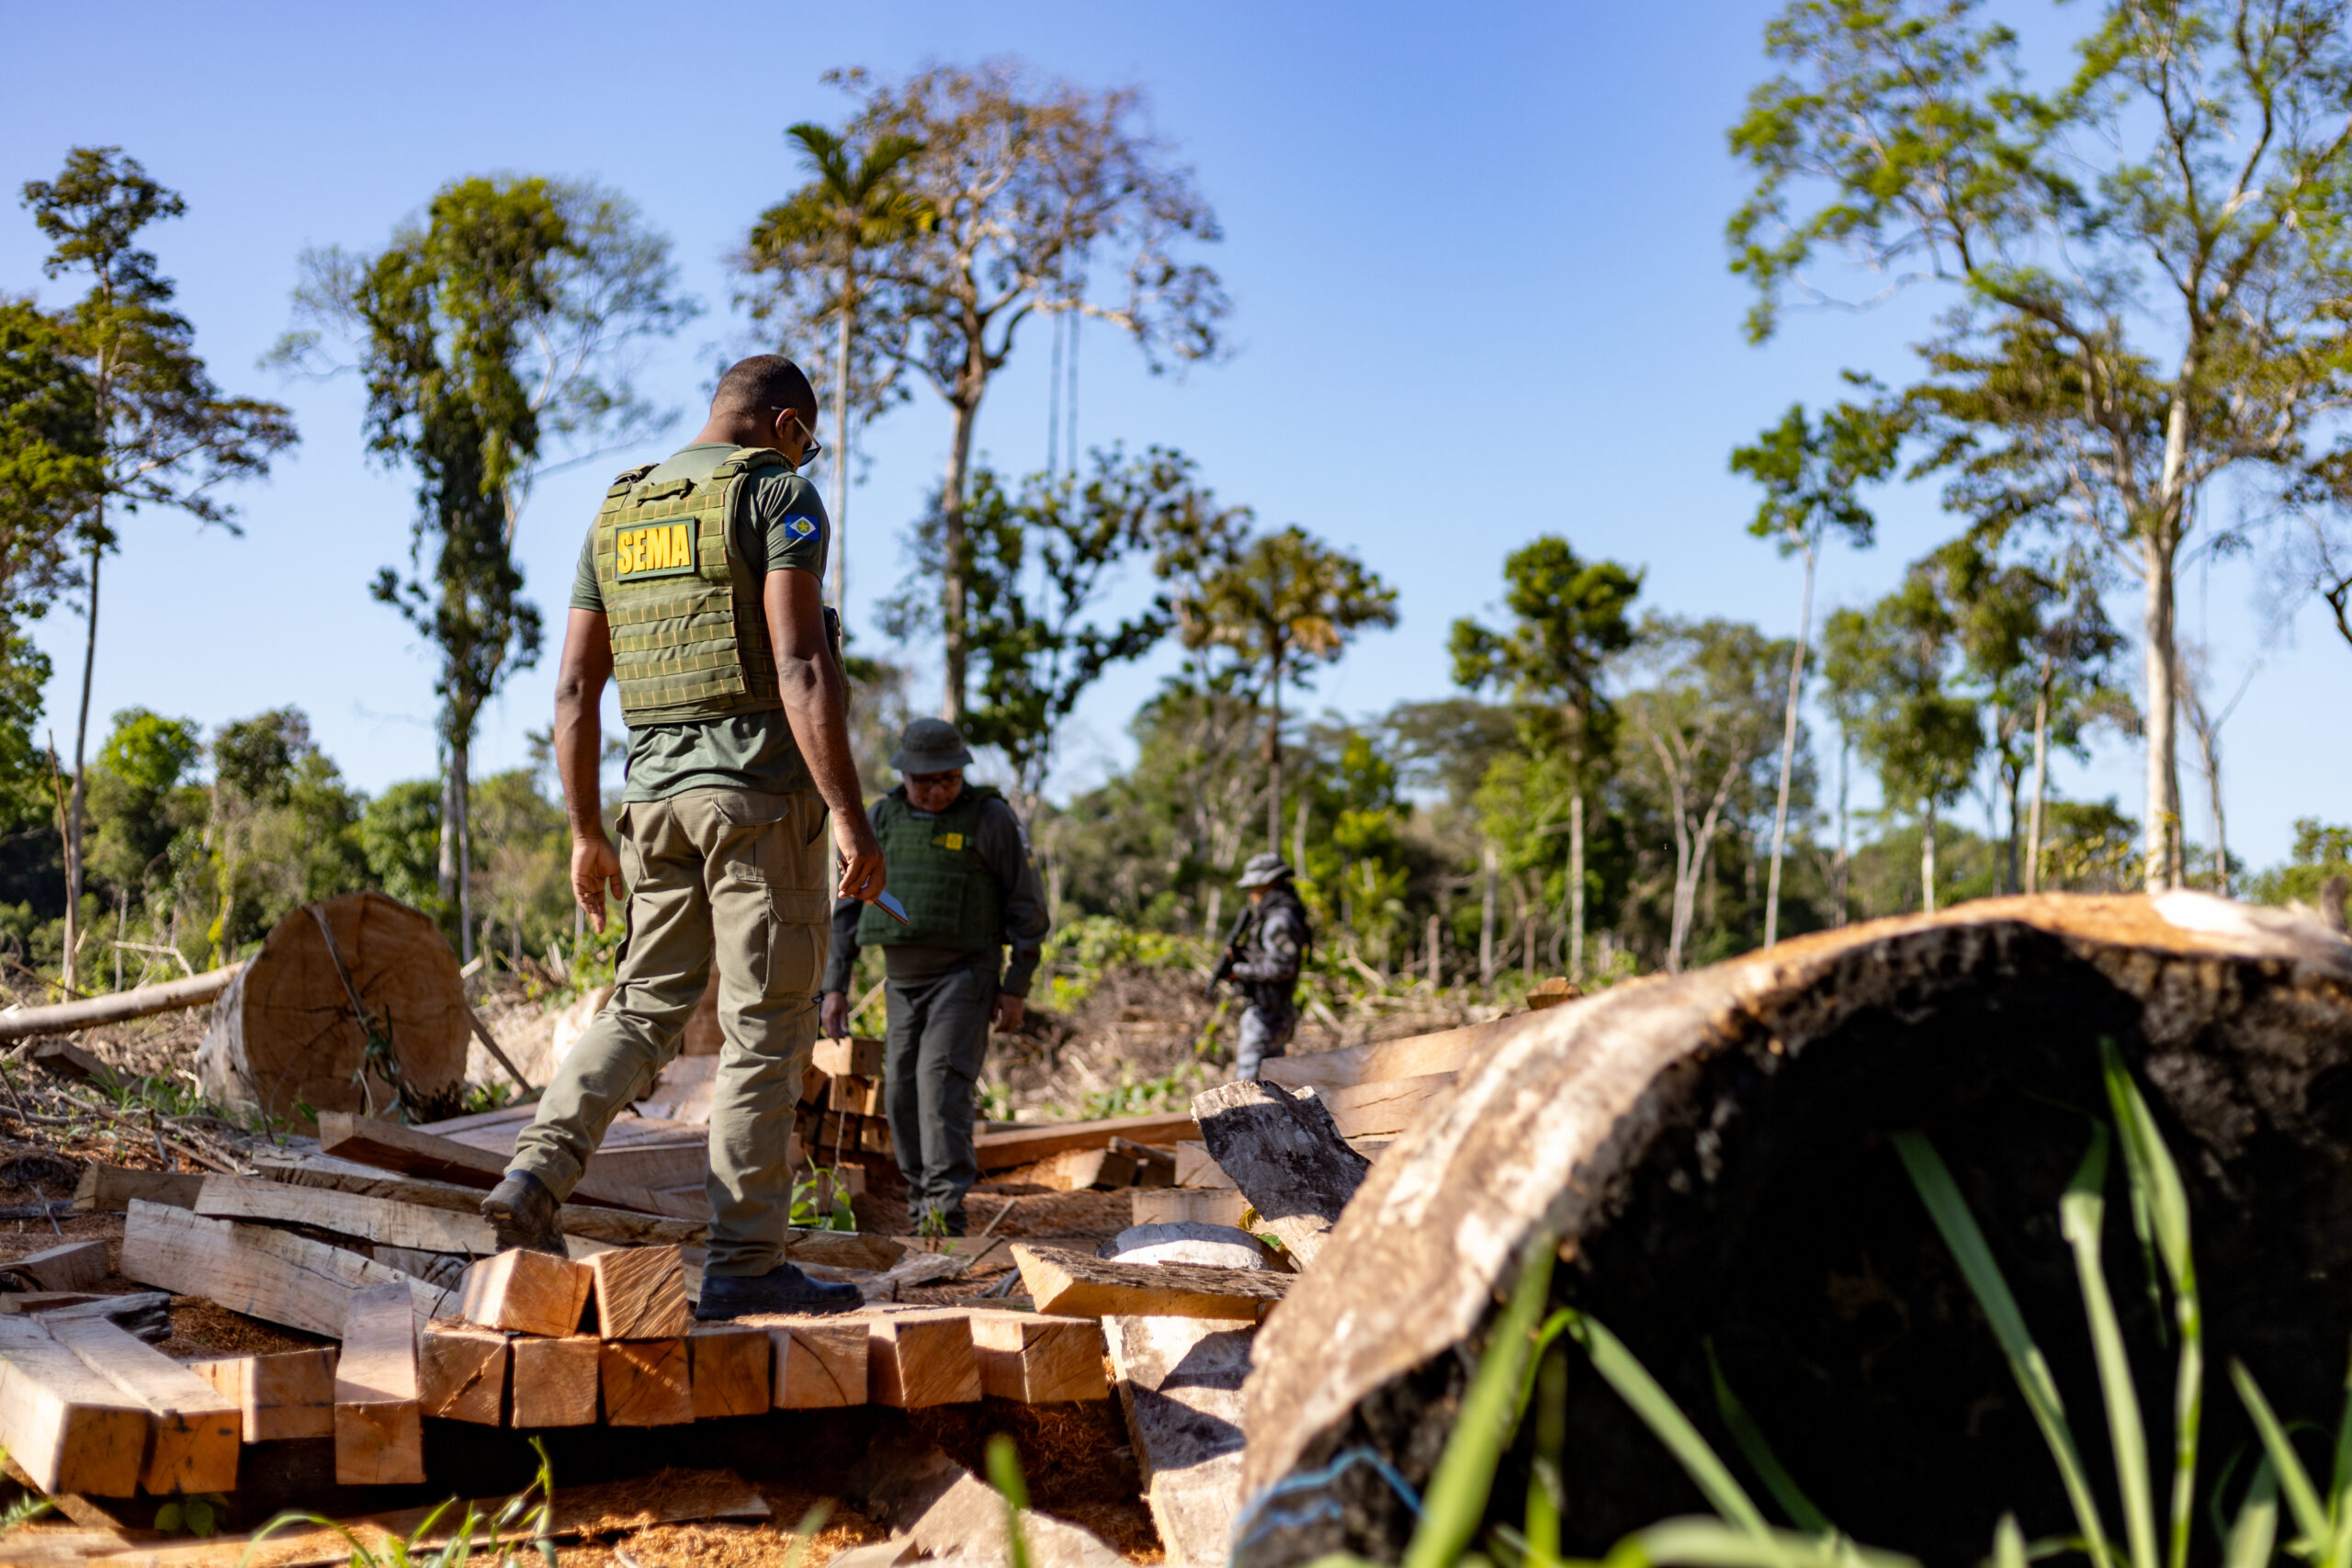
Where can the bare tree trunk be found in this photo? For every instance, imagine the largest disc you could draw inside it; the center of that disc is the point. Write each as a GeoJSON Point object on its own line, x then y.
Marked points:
{"type": "Point", "coordinates": [958, 565]}
{"type": "Point", "coordinates": [1275, 758]}
{"type": "Point", "coordinates": [69, 970]}
{"type": "Point", "coordinates": [1298, 842]}
{"type": "Point", "coordinates": [2162, 835]}
{"type": "Point", "coordinates": [1789, 750]}
{"type": "Point", "coordinates": [1928, 858]}
{"type": "Point", "coordinates": [2041, 783]}
{"type": "Point", "coordinates": [1486, 916]}
{"type": "Point", "coordinates": [456, 847]}
{"type": "Point", "coordinates": [840, 449]}
{"type": "Point", "coordinates": [1575, 888]}
{"type": "Point", "coordinates": [1529, 905]}
{"type": "Point", "coordinates": [1845, 755]}
{"type": "Point", "coordinates": [1433, 952]}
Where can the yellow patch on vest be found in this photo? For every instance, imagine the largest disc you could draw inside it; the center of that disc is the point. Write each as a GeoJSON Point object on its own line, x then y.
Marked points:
{"type": "Point", "coordinates": [949, 841]}
{"type": "Point", "coordinates": [665, 548]}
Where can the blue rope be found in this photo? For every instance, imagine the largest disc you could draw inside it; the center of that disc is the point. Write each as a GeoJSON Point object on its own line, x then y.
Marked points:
{"type": "Point", "coordinates": [1250, 1527]}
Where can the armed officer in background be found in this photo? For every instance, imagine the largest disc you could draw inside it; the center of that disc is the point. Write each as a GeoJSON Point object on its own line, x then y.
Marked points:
{"type": "Point", "coordinates": [698, 591]}
{"type": "Point", "coordinates": [959, 863]}
{"type": "Point", "coordinates": [1262, 957]}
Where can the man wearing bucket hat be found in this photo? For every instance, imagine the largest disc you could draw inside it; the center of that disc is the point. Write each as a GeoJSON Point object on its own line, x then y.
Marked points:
{"type": "Point", "coordinates": [958, 864]}
{"type": "Point", "coordinates": [1268, 947]}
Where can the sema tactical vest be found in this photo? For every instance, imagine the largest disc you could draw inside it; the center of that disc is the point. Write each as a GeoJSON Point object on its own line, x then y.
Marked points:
{"type": "Point", "coordinates": [690, 637]}
{"type": "Point", "coordinates": [952, 899]}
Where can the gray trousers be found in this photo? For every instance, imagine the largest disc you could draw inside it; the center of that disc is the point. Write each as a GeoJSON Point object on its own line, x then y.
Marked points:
{"type": "Point", "coordinates": [1266, 1030]}
{"type": "Point", "coordinates": [937, 1036]}
{"type": "Point", "coordinates": [716, 877]}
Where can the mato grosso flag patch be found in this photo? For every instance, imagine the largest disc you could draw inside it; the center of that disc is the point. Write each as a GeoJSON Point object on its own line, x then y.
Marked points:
{"type": "Point", "coordinates": [663, 549]}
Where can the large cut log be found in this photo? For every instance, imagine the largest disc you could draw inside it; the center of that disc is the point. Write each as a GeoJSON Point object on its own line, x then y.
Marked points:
{"type": "Point", "coordinates": [1283, 1151]}
{"type": "Point", "coordinates": [283, 1034]}
{"type": "Point", "coordinates": [1179, 1388]}
{"type": "Point", "coordinates": [60, 1018]}
{"type": "Point", "coordinates": [1710, 1156]}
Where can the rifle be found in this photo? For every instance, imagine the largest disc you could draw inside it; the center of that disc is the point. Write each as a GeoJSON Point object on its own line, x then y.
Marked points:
{"type": "Point", "coordinates": [1233, 941]}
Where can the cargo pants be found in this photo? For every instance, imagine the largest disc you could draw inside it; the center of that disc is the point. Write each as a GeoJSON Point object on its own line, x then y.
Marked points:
{"type": "Point", "coordinates": [714, 877]}
{"type": "Point", "coordinates": [935, 1041]}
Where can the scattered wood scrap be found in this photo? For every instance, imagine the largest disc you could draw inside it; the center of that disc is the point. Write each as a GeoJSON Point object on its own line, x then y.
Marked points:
{"type": "Point", "coordinates": [1059, 1280]}
{"type": "Point", "coordinates": [64, 1018]}
{"type": "Point", "coordinates": [386, 1221]}
{"type": "Point", "coordinates": [1202, 1205]}
{"type": "Point", "coordinates": [378, 1427]}
{"type": "Point", "coordinates": [368, 1142]}
{"type": "Point", "coordinates": [858, 1057]}
{"type": "Point", "coordinates": [530, 1293]}
{"type": "Point", "coordinates": [279, 1396]}
{"type": "Point", "coordinates": [70, 1266]}
{"type": "Point", "coordinates": [1026, 1145]}
{"type": "Point", "coordinates": [62, 1058]}
{"type": "Point", "coordinates": [112, 1189]}
{"type": "Point", "coordinates": [1034, 1358]}
{"type": "Point", "coordinates": [915, 1359]}
{"type": "Point", "coordinates": [640, 1293]}
{"type": "Point", "coordinates": [273, 1275]}
{"type": "Point", "coordinates": [68, 1426]}
{"type": "Point", "coordinates": [1179, 1388]}
{"type": "Point", "coordinates": [143, 1315]}
{"type": "Point", "coordinates": [193, 1429]}
{"type": "Point", "coordinates": [1287, 1158]}
{"type": "Point", "coordinates": [461, 1373]}
{"type": "Point", "coordinates": [555, 1380]}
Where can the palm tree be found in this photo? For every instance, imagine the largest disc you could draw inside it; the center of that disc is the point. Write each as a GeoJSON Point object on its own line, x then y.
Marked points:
{"type": "Point", "coordinates": [850, 209]}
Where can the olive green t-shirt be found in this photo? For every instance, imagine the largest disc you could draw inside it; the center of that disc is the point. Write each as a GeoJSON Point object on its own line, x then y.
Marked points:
{"type": "Point", "coordinates": [745, 751]}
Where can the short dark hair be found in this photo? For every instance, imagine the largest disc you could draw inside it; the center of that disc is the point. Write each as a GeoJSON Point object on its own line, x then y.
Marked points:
{"type": "Point", "coordinates": [762, 382]}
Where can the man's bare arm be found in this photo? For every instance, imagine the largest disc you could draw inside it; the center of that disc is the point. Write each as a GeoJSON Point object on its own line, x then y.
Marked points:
{"type": "Point", "coordinates": [816, 704]}
{"type": "Point", "coordinates": [580, 674]}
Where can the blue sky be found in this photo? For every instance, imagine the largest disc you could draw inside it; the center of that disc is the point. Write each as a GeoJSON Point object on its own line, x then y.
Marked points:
{"type": "Point", "coordinates": [1475, 257]}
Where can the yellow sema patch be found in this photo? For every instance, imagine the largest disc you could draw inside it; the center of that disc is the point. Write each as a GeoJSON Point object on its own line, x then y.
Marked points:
{"type": "Point", "coordinates": [668, 548]}
{"type": "Point", "coordinates": [949, 841]}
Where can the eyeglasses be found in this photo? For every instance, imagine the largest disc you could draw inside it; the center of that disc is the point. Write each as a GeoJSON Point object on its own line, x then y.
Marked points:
{"type": "Point", "coordinates": [808, 434]}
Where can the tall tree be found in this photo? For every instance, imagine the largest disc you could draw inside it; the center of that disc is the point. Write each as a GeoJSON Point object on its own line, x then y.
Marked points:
{"type": "Point", "coordinates": [166, 435]}
{"type": "Point", "coordinates": [503, 327]}
{"type": "Point", "coordinates": [1282, 604]}
{"type": "Point", "coordinates": [1568, 616]}
{"type": "Point", "coordinates": [1700, 714]}
{"type": "Point", "coordinates": [1041, 562]}
{"type": "Point", "coordinates": [1810, 473]}
{"type": "Point", "coordinates": [1892, 666]}
{"type": "Point", "coordinates": [813, 247]}
{"type": "Point", "coordinates": [2148, 256]}
{"type": "Point", "coordinates": [1030, 187]}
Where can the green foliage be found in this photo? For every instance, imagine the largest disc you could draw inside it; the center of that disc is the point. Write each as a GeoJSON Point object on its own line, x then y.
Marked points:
{"type": "Point", "coordinates": [1568, 616]}
{"type": "Point", "coordinates": [197, 1514]}
{"type": "Point", "coordinates": [51, 454]}
{"type": "Point", "coordinates": [2321, 852]}
{"type": "Point", "coordinates": [1172, 1091]}
{"type": "Point", "coordinates": [806, 1213]}
{"type": "Point", "coordinates": [400, 832]}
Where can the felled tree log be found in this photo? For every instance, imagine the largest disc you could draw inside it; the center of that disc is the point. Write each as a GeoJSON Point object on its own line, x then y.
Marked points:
{"type": "Point", "coordinates": [1710, 1153]}
{"type": "Point", "coordinates": [284, 1031]}
{"type": "Point", "coordinates": [1282, 1148]}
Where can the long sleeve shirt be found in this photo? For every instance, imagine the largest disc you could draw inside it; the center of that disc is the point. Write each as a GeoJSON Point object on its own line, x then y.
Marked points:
{"type": "Point", "coordinates": [1005, 855]}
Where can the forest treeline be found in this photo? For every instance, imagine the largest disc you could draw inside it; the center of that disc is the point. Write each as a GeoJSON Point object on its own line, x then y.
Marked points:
{"type": "Point", "coordinates": [2143, 365]}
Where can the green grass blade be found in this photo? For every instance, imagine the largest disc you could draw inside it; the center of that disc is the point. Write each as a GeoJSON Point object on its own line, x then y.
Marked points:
{"type": "Point", "coordinates": [2008, 1543]}
{"type": "Point", "coordinates": [2255, 1534]}
{"type": "Point", "coordinates": [2082, 1220]}
{"type": "Point", "coordinates": [1712, 1543]}
{"type": "Point", "coordinates": [1949, 1209]}
{"type": "Point", "coordinates": [2160, 1206]}
{"type": "Point", "coordinates": [1760, 1456]}
{"type": "Point", "coordinates": [1545, 1490]}
{"type": "Point", "coordinates": [1456, 1502]}
{"type": "Point", "coordinates": [2339, 1515]}
{"type": "Point", "coordinates": [1004, 1472]}
{"type": "Point", "coordinates": [1620, 1369]}
{"type": "Point", "coordinates": [2303, 1500]}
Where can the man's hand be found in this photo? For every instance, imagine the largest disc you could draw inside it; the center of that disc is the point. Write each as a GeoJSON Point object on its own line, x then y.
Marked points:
{"type": "Point", "coordinates": [832, 1015]}
{"type": "Point", "coordinates": [864, 876]}
{"type": "Point", "coordinates": [595, 867]}
{"type": "Point", "coordinates": [1009, 1010]}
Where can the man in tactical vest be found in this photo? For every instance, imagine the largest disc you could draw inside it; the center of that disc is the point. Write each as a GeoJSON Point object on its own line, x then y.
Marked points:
{"type": "Point", "coordinates": [697, 593]}
{"type": "Point", "coordinates": [1262, 955]}
{"type": "Point", "coordinates": [958, 860]}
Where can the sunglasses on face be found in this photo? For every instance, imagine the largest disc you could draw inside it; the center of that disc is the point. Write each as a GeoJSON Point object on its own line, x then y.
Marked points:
{"type": "Point", "coordinates": [815, 445]}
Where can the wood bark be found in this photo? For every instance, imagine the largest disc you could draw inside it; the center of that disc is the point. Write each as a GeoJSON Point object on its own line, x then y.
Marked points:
{"type": "Point", "coordinates": [1286, 1155]}
{"type": "Point", "coordinates": [283, 1033]}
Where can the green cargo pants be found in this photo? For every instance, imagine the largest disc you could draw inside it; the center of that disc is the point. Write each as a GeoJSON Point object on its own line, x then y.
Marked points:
{"type": "Point", "coordinates": [712, 873]}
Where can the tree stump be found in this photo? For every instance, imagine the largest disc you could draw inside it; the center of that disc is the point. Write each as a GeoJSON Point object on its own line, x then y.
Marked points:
{"type": "Point", "coordinates": [1711, 1154]}
{"type": "Point", "coordinates": [284, 1034]}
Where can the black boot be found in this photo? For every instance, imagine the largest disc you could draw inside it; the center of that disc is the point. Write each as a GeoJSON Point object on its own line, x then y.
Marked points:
{"type": "Point", "coordinates": [523, 1213]}
{"type": "Point", "coordinates": [782, 1289]}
